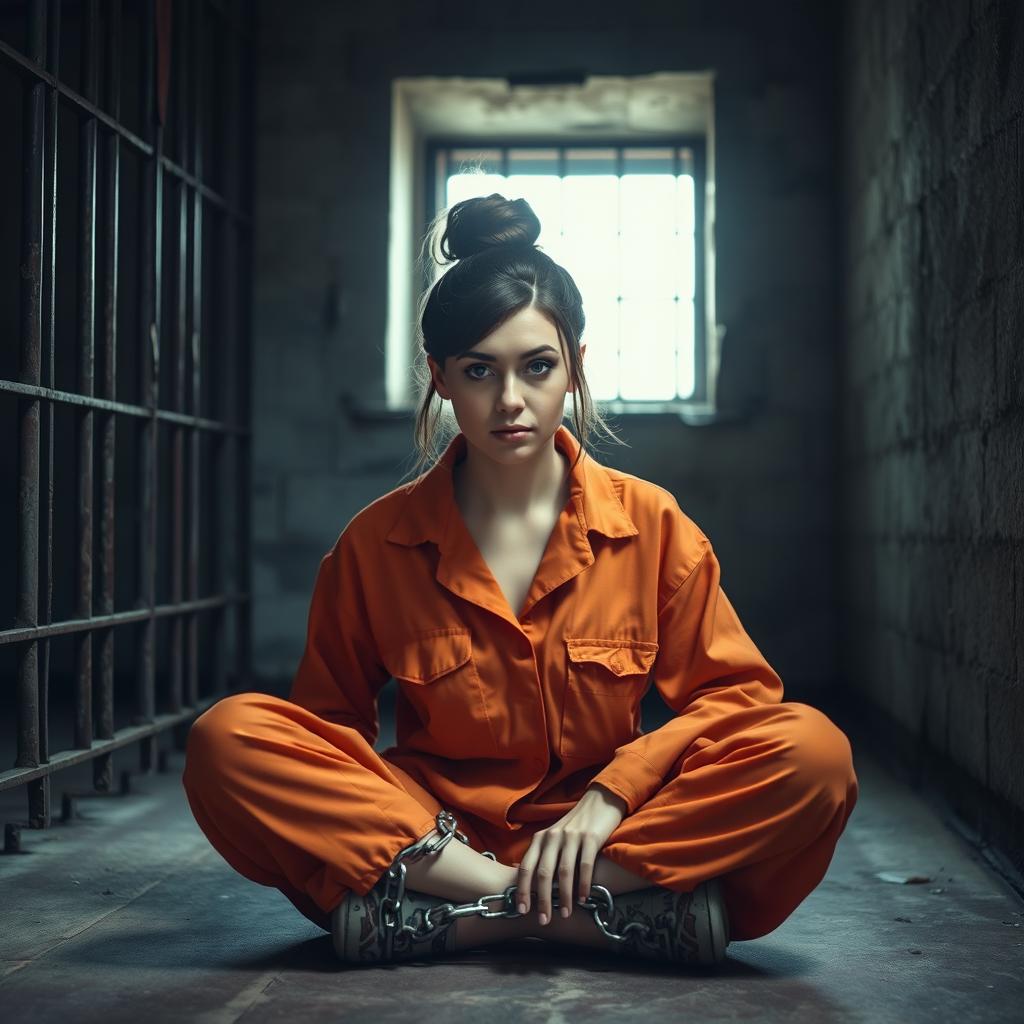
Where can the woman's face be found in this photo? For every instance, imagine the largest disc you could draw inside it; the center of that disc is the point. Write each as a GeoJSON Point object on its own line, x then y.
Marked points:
{"type": "Point", "coordinates": [517, 375]}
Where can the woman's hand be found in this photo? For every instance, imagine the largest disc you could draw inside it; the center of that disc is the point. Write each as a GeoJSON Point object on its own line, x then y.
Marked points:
{"type": "Point", "coordinates": [553, 852]}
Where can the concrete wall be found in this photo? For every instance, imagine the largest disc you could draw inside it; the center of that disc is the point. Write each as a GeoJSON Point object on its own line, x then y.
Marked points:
{"type": "Point", "coordinates": [933, 382]}
{"type": "Point", "coordinates": [761, 488]}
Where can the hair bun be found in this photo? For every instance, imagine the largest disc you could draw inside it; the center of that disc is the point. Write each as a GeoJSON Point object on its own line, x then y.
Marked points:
{"type": "Point", "coordinates": [484, 222]}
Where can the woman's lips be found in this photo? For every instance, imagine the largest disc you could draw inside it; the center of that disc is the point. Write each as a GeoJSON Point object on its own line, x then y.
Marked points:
{"type": "Point", "coordinates": [512, 435]}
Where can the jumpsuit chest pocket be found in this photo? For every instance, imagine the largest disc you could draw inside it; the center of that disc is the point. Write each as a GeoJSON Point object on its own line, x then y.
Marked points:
{"type": "Point", "coordinates": [441, 707]}
{"type": "Point", "coordinates": [605, 680]}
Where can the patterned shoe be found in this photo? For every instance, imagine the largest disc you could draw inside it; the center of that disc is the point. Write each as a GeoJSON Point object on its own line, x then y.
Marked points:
{"type": "Point", "coordinates": [360, 936]}
{"type": "Point", "coordinates": [661, 924]}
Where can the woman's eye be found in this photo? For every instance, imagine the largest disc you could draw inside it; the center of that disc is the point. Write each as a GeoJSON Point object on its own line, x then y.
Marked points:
{"type": "Point", "coordinates": [546, 364]}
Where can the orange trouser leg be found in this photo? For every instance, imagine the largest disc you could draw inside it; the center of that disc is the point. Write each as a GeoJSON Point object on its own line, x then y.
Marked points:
{"type": "Point", "coordinates": [760, 803]}
{"type": "Point", "coordinates": [292, 801]}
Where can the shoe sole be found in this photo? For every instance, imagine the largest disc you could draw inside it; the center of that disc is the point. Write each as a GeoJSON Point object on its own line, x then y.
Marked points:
{"type": "Point", "coordinates": [347, 924]}
{"type": "Point", "coordinates": [712, 922]}
{"type": "Point", "coordinates": [339, 928]}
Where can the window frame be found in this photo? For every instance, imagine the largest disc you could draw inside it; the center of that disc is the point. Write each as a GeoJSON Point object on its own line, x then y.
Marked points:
{"type": "Point", "coordinates": [434, 202]}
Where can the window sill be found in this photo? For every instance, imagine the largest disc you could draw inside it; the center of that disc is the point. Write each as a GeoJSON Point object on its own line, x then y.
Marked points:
{"type": "Point", "coordinates": [377, 412]}
{"type": "Point", "coordinates": [692, 414]}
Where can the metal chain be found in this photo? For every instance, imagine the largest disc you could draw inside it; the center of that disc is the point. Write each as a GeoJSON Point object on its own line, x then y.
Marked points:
{"type": "Point", "coordinates": [432, 919]}
{"type": "Point", "coordinates": [394, 878]}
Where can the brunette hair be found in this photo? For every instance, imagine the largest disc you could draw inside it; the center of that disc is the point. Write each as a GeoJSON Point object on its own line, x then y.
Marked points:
{"type": "Point", "coordinates": [498, 271]}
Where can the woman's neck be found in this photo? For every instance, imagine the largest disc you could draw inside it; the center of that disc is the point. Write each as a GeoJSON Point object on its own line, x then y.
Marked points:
{"type": "Point", "coordinates": [490, 491]}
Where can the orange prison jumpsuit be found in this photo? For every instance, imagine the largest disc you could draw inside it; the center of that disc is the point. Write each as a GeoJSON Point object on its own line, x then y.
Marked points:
{"type": "Point", "coordinates": [504, 720]}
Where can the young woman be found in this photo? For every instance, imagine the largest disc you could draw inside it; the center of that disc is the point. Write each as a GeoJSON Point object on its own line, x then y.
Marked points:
{"type": "Point", "coordinates": [524, 597]}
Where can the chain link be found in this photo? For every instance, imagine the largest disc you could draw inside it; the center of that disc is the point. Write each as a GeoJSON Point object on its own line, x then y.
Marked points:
{"type": "Point", "coordinates": [424, 923]}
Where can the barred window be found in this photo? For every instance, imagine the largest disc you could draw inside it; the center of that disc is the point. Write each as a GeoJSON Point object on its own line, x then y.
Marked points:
{"type": "Point", "coordinates": [625, 221]}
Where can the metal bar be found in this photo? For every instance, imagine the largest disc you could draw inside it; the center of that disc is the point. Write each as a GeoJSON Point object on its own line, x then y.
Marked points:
{"type": "Point", "coordinates": [95, 398]}
{"type": "Point", "coordinates": [619, 162]}
{"type": "Point", "coordinates": [91, 402]}
{"type": "Point", "coordinates": [103, 768]}
{"type": "Point", "coordinates": [84, 106]}
{"type": "Point", "coordinates": [39, 792]}
{"type": "Point", "coordinates": [210, 195]}
{"type": "Point", "coordinates": [243, 634]}
{"type": "Point", "coordinates": [226, 448]}
{"type": "Point", "coordinates": [178, 399]}
{"type": "Point", "coordinates": [177, 447]}
{"type": "Point", "coordinates": [180, 82]}
{"type": "Point", "coordinates": [150, 241]}
{"type": "Point", "coordinates": [86, 374]}
{"type": "Point", "coordinates": [198, 105]}
{"type": "Point", "coordinates": [704, 335]}
{"type": "Point", "coordinates": [122, 738]}
{"type": "Point", "coordinates": [214, 602]}
{"type": "Point", "coordinates": [27, 613]}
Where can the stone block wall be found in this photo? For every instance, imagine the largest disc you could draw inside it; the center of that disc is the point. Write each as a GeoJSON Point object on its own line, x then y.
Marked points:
{"type": "Point", "coordinates": [932, 454]}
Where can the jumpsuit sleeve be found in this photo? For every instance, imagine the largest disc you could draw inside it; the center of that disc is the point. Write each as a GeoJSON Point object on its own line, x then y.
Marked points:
{"type": "Point", "coordinates": [340, 674]}
{"type": "Point", "coordinates": [707, 667]}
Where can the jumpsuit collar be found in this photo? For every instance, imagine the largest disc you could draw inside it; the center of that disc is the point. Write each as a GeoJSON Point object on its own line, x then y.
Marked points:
{"type": "Point", "coordinates": [430, 513]}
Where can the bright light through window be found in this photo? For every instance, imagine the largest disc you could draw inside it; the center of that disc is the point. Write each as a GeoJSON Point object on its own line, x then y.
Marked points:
{"type": "Point", "coordinates": [622, 221]}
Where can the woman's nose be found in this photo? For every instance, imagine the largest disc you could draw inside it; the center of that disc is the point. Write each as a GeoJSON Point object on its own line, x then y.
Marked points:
{"type": "Point", "coordinates": [510, 393]}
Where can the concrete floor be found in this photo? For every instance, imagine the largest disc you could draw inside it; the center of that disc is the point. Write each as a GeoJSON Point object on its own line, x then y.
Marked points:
{"type": "Point", "coordinates": [127, 911]}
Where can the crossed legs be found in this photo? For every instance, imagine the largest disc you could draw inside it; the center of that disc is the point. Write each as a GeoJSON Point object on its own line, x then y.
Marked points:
{"type": "Point", "coordinates": [293, 801]}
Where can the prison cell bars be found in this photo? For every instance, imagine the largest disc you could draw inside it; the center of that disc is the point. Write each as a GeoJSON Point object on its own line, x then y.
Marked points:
{"type": "Point", "coordinates": [34, 764]}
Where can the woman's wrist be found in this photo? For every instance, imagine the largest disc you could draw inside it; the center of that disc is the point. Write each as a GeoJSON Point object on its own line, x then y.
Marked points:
{"type": "Point", "coordinates": [608, 796]}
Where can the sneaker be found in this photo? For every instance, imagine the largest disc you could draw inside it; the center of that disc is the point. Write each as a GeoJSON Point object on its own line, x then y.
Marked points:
{"type": "Point", "coordinates": [684, 927]}
{"type": "Point", "coordinates": [359, 936]}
